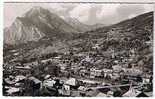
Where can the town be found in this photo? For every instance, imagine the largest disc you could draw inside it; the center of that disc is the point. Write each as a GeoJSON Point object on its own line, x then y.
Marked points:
{"type": "Point", "coordinates": [78, 74]}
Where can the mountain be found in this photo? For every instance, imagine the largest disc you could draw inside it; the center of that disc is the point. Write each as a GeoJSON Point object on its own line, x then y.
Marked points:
{"type": "Point", "coordinates": [81, 27]}
{"type": "Point", "coordinates": [77, 24]}
{"type": "Point", "coordinates": [131, 34]}
{"type": "Point", "coordinates": [36, 24]}
{"type": "Point", "coordinates": [138, 27]}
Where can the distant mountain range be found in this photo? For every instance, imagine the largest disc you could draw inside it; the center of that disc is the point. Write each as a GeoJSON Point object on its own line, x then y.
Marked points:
{"type": "Point", "coordinates": [39, 22]}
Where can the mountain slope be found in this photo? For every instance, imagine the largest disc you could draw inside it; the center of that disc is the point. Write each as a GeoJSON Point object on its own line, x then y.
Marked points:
{"type": "Point", "coordinates": [132, 34]}
{"type": "Point", "coordinates": [35, 24]}
{"type": "Point", "coordinates": [80, 27]}
{"type": "Point", "coordinates": [77, 24]}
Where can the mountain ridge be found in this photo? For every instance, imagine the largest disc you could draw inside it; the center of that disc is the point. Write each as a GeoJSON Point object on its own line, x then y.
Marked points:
{"type": "Point", "coordinates": [37, 20]}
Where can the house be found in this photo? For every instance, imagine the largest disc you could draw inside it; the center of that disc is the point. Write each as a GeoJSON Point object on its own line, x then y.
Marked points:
{"type": "Point", "coordinates": [13, 91]}
{"type": "Point", "coordinates": [80, 54]}
{"type": "Point", "coordinates": [83, 72]}
{"type": "Point", "coordinates": [46, 60]}
{"type": "Point", "coordinates": [23, 69]}
{"type": "Point", "coordinates": [117, 68]}
{"type": "Point", "coordinates": [49, 91]}
{"type": "Point", "coordinates": [107, 75]}
{"type": "Point", "coordinates": [34, 82]}
{"type": "Point", "coordinates": [8, 81]}
{"type": "Point", "coordinates": [133, 71]}
{"type": "Point", "coordinates": [66, 90]}
{"type": "Point", "coordinates": [75, 93]}
{"type": "Point", "coordinates": [115, 76]}
{"type": "Point", "coordinates": [47, 76]}
{"type": "Point", "coordinates": [62, 68]}
{"type": "Point", "coordinates": [104, 89]}
{"type": "Point", "coordinates": [87, 59]}
{"type": "Point", "coordinates": [95, 72]}
{"type": "Point", "coordinates": [82, 88]}
{"type": "Point", "coordinates": [15, 54]}
{"type": "Point", "coordinates": [20, 78]}
{"type": "Point", "coordinates": [142, 94]}
{"type": "Point", "coordinates": [149, 94]}
{"type": "Point", "coordinates": [148, 42]}
{"type": "Point", "coordinates": [116, 61]}
{"type": "Point", "coordinates": [13, 51]}
{"type": "Point", "coordinates": [110, 93]}
{"type": "Point", "coordinates": [92, 93]}
{"type": "Point", "coordinates": [89, 82]}
{"type": "Point", "coordinates": [72, 82]}
{"type": "Point", "coordinates": [107, 70]}
{"type": "Point", "coordinates": [131, 93]}
{"type": "Point", "coordinates": [48, 83]}
{"type": "Point", "coordinates": [101, 95]}
{"type": "Point", "coordinates": [96, 46]}
{"type": "Point", "coordinates": [18, 84]}
{"type": "Point", "coordinates": [58, 57]}
{"type": "Point", "coordinates": [66, 87]}
{"type": "Point", "coordinates": [146, 80]}
{"type": "Point", "coordinates": [31, 63]}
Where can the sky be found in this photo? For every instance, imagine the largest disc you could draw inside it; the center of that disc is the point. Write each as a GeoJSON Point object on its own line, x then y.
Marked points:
{"type": "Point", "coordinates": [86, 13]}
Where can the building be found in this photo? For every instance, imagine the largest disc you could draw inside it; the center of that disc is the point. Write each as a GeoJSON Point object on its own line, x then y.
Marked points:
{"type": "Point", "coordinates": [13, 91]}
{"type": "Point", "coordinates": [20, 78]}
{"type": "Point", "coordinates": [117, 68]}
{"type": "Point", "coordinates": [72, 82]}
{"type": "Point", "coordinates": [48, 83]}
{"type": "Point", "coordinates": [101, 95]}
{"type": "Point", "coordinates": [35, 83]}
{"type": "Point", "coordinates": [23, 70]}
{"type": "Point", "coordinates": [134, 93]}
{"type": "Point", "coordinates": [95, 73]}
{"type": "Point", "coordinates": [82, 88]}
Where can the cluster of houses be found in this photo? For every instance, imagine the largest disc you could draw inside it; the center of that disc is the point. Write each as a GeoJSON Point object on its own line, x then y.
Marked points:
{"type": "Point", "coordinates": [92, 74]}
{"type": "Point", "coordinates": [59, 86]}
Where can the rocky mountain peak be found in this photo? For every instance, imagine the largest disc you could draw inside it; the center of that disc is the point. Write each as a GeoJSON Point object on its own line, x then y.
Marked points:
{"type": "Point", "coordinates": [37, 11]}
{"type": "Point", "coordinates": [35, 24]}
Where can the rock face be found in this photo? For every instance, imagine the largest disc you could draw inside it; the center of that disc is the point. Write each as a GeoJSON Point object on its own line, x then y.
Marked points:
{"type": "Point", "coordinates": [20, 33]}
{"type": "Point", "coordinates": [35, 24]}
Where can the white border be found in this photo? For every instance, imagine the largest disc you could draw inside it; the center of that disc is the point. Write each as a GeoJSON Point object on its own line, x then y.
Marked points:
{"type": "Point", "coordinates": [79, 0]}
{"type": "Point", "coordinates": [1, 42]}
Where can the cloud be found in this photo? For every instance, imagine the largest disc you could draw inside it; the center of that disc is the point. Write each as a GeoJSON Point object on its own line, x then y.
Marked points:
{"type": "Point", "coordinates": [114, 13]}
{"type": "Point", "coordinates": [108, 13]}
{"type": "Point", "coordinates": [11, 11]}
{"type": "Point", "coordinates": [125, 11]}
{"type": "Point", "coordinates": [107, 10]}
{"type": "Point", "coordinates": [81, 12]}
{"type": "Point", "coordinates": [62, 9]}
{"type": "Point", "coordinates": [93, 13]}
{"type": "Point", "coordinates": [92, 16]}
{"type": "Point", "coordinates": [149, 7]}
